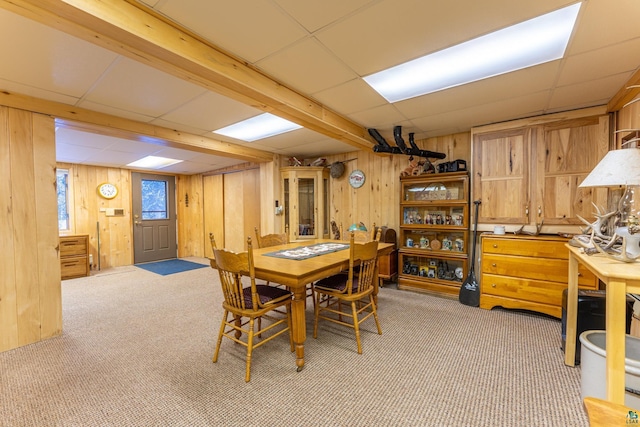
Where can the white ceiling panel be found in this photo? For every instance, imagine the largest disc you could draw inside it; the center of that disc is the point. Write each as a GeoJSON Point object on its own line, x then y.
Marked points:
{"type": "Point", "coordinates": [307, 66]}
{"type": "Point", "coordinates": [315, 15]}
{"type": "Point", "coordinates": [132, 86]}
{"type": "Point", "coordinates": [210, 111]}
{"type": "Point", "coordinates": [250, 29]}
{"type": "Point", "coordinates": [55, 62]}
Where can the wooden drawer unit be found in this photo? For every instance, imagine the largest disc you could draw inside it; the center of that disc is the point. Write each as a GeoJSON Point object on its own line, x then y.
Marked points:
{"type": "Point", "coordinates": [527, 272]}
{"type": "Point", "coordinates": [74, 256]}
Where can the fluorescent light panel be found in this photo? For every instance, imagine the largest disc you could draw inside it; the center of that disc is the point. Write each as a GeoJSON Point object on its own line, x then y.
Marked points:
{"type": "Point", "coordinates": [154, 162]}
{"type": "Point", "coordinates": [258, 127]}
{"type": "Point", "coordinates": [523, 45]}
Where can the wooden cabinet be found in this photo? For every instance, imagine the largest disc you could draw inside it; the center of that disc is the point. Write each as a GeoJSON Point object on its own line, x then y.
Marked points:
{"type": "Point", "coordinates": [305, 196]}
{"type": "Point", "coordinates": [434, 232]}
{"type": "Point", "coordinates": [74, 256]}
{"type": "Point", "coordinates": [527, 272]}
{"type": "Point", "coordinates": [526, 173]}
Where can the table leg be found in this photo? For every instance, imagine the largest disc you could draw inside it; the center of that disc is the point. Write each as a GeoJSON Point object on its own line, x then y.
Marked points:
{"type": "Point", "coordinates": [616, 333]}
{"type": "Point", "coordinates": [299, 323]}
{"type": "Point", "coordinates": [572, 313]}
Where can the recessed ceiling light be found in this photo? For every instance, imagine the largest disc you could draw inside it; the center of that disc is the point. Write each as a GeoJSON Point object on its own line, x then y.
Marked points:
{"type": "Point", "coordinates": [523, 45]}
{"type": "Point", "coordinates": [153, 162]}
{"type": "Point", "coordinates": [258, 127]}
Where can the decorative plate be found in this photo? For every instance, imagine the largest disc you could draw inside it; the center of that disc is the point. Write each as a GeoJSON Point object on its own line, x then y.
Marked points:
{"type": "Point", "coordinates": [356, 178]}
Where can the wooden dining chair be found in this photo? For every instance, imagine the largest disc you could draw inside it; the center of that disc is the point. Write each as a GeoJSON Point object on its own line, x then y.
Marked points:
{"type": "Point", "coordinates": [245, 302]}
{"type": "Point", "coordinates": [603, 413]}
{"type": "Point", "coordinates": [264, 241]}
{"type": "Point", "coordinates": [271, 239]}
{"type": "Point", "coordinates": [353, 290]}
{"type": "Point", "coordinates": [362, 236]}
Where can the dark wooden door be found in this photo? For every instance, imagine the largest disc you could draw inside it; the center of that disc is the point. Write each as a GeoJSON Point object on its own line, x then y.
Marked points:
{"type": "Point", "coordinates": [154, 217]}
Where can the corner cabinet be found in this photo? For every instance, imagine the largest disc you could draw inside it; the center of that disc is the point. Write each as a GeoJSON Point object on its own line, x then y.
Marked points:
{"type": "Point", "coordinates": [434, 232]}
{"type": "Point", "coordinates": [305, 198]}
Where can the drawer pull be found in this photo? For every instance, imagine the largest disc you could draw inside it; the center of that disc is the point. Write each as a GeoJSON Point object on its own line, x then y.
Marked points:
{"type": "Point", "coordinates": [495, 245]}
{"type": "Point", "coordinates": [493, 285]}
{"type": "Point", "coordinates": [493, 264]}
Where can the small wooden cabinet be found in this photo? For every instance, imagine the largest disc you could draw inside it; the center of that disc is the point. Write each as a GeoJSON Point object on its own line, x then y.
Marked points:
{"type": "Point", "coordinates": [74, 256]}
{"type": "Point", "coordinates": [527, 272]}
{"type": "Point", "coordinates": [434, 230]}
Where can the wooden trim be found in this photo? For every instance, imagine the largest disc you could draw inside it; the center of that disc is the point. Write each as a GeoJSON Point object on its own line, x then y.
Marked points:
{"type": "Point", "coordinates": [625, 94]}
{"type": "Point", "coordinates": [129, 30]}
{"type": "Point", "coordinates": [539, 120]}
{"type": "Point", "coordinates": [90, 121]}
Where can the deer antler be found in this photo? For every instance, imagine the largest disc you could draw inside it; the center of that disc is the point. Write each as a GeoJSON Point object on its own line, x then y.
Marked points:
{"type": "Point", "coordinates": [619, 254]}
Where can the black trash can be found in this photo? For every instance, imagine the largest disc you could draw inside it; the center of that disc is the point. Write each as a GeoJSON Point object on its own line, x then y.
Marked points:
{"type": "Point", "coordinates": [591, 315]}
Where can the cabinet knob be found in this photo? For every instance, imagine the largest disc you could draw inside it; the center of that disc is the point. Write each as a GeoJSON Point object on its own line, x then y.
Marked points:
{"type": "Point", "coordinates": [493, 285]}
{"type": "Point", "coordinates": [495, 245]}
{"type": "Point", "coordinates": [493, 264]}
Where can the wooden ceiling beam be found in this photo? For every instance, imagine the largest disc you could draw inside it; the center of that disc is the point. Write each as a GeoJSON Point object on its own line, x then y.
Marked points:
{"type": "Point", "coordinates": [137, 32]}
{"type": "Point", "coordinates": [90, 121]}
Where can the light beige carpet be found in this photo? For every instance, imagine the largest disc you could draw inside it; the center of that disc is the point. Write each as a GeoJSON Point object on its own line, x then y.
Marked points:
{"type": "Point", "coordinates": [136, 351]}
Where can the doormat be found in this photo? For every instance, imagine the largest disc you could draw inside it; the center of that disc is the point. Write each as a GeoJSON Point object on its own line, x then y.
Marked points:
{"type": "Point", "coordinates": [170, 266]}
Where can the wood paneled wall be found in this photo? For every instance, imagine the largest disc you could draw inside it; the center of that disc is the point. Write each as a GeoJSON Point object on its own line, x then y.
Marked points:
{"type": "Point", "coordinates": [30, 291]}
{"type": "Point", "coordinates": [628, 118]}
{"type": "Point", "coordinates": [191, 213]}
{"type": "Point", "coordinates": [110, 238]}
{"type": "Point", "coordinates": [378, 200]}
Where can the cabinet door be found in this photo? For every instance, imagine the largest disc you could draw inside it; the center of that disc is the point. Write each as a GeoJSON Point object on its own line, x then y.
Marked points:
{"type": "Point", "coordinates": [566, 153]}
{"type": "Point", "coordinates": [501, 175]}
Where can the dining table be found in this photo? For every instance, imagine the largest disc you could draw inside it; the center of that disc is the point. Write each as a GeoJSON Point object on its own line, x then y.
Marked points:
{"type": "Point", "coordinates": [296, 274]}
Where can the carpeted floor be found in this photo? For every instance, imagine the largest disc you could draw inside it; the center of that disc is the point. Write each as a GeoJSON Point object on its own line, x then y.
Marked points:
{"type": "Point", "coordinates": [134, 353]}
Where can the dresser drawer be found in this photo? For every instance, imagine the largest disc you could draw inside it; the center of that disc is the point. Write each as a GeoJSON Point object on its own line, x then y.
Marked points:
{"type": "Point", "coordinates": [552, 270]}
{"type": "Point", "coordinates": [522, 247]}
{"type": "Point", "coordinates": [72, 246]}
{"type": "Point", "coordinates": [73, 267]}
{"type": "Point", "coordinates": [539, 291]}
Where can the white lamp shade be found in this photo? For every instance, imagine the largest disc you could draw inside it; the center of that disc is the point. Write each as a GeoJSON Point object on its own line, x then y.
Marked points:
{"type": "Point", "coordinates": [618, 167]}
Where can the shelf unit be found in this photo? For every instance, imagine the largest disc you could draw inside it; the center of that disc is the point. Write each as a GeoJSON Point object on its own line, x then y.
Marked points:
{"type": "Point", "coordinates": [434, 232]}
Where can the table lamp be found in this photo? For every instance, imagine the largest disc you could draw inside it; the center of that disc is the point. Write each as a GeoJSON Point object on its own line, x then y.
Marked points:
{"type": "Point", "coordinates": [618, 168]}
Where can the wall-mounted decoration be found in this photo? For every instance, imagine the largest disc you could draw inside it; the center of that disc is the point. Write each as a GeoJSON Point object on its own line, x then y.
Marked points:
{"type": "Point", "coordinates": [107, 190]}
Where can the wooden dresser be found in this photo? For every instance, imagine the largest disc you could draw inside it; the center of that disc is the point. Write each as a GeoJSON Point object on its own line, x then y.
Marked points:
{"type": "Point", "coordinates": [74, 256]}
{"type": "Point", "coordinates": [527, 272]}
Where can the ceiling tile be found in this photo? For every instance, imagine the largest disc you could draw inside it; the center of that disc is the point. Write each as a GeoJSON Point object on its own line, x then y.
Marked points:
{"type": "Point", "coordinates": [135, 87]}
{"type": "Point", "coordinates": [600, 63]}
{"type": "Point", "coordinates": [307, 67]}
{"type": "Point", "coordinates": [251, 29]}
{"type": "Point", "coordinates": [40, 57]}
{"type": "Point", "coordinates": [315, 15]}
{"type": "Point", "coordinates": [587, 94]}
{"type": "Point", "coordinates": [210, 111]}
{"type": "Point", "coordinates": [350, 97]}
{"type": "Point", "coordinates": [603, 23]}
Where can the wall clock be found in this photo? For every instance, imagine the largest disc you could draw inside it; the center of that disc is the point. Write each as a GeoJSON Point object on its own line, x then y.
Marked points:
{"type": "Point", "coordinates": [107, 190]}
{"type": "Point", "coordinates": [356, 178]}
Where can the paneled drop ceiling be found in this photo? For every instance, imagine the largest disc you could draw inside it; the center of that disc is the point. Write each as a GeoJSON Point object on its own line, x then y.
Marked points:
{"type": "Point", "coordinates": [320, 50]}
